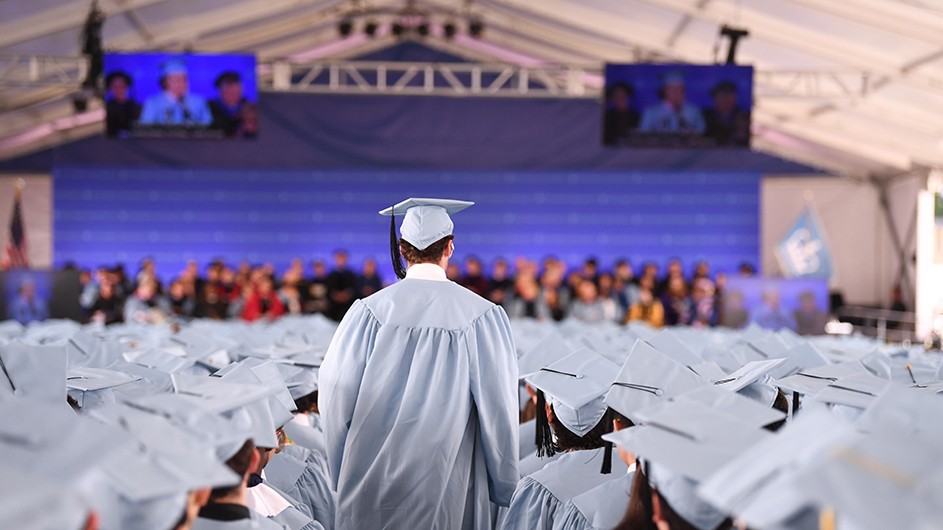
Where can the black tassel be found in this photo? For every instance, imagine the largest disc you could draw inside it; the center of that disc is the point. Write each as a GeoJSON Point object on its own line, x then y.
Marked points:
{"type": "Point", "coordinates": [544, 437]}
{"type": "Point", "coordinates": [395, 254]}
{"type": "Point", "coordinates": [254, 480]}
{"type": "Point", "coordinates": [607, 452]}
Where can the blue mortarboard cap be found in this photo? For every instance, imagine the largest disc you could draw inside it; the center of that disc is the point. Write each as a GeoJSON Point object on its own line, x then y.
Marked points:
{"type": "Point", "coordinates": [173, 66]}
{"type": "Point", "coordinates": [673, 77]}
{"type": "Point", "coordinates": [426, 221]}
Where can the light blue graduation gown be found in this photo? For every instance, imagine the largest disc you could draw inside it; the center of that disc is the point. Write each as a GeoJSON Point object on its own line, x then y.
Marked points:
{"type": "Point", "coordinates": [305, 481]}
{"type": "Point", "coordinates": [162, 109]}
{"type": "Point", "coordinates": [539, 497]}
{"type": "Point", "coordinates": [419, 407]}
{"type": "Point", "coordinates": [601, 508]}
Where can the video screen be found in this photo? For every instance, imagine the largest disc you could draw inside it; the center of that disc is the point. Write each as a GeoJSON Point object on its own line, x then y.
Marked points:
{"type": "Point", "coordinates": [161, 95]}
{"type": "Point", "coordinates": [33, 295]}
{"type": "Point", "coordinates": [677, 105]}
{"type": "Point", "coordinates": [775, 303]}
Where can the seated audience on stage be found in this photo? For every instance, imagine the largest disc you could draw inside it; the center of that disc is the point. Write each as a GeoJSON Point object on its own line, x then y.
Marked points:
{"type": "Point", "coordinates": [647, 309]}
{"type": "Point", "coordinates": [341, 286]}
{"type": "Point", "coordinates": [473, 279]}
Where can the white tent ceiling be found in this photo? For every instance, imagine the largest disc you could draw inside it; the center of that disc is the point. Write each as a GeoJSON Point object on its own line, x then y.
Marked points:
{"type": "Point", "coordinates": [853, 86]}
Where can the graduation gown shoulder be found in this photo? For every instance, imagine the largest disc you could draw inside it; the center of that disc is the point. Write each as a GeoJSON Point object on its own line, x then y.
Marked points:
{"type": "Point", "coordinates": [540, 496]}
{"type": "Point", "coordinates": [418, 401]}
{"type": "Point", "coordinates": [304, 481]}
{"type": "Point", "coordinates": [601, 508]}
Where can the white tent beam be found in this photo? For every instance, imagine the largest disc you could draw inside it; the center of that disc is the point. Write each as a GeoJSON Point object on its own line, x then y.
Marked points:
{"type": "Point", "coordinates": [60, 18]}
{"type": "Point", "coordinates": [197, 27]}
{"type": "Point", "coordinates": [892, 17]}
{"type": "Point", "coordinates": [793, 35]}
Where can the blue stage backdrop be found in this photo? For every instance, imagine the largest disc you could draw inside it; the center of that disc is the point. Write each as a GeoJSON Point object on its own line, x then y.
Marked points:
{"type": "Point", "coordinates": [104, 214]}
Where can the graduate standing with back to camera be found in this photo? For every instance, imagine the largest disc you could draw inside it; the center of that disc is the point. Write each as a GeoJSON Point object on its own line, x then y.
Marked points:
{"type": "Point", "coordinates": [418, 392]}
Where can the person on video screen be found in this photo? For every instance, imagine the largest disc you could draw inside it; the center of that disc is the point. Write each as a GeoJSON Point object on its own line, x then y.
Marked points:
{"type": "Point", "coordinates": [810, 320]}
{"type": "Point", "coordinates": [673, 114]}
{"type": "Point", "coordinates": [176, 105]}
{"type": "Point", "coordinates": [26, 307]}
{"type": "Point", "coordinates": [727, 123]}
{"type": "Point", "coordinates": [620, 118]}
{"type": "Point", "coordinates": [771, 314]}
{"type": "Point", "coordinates": [120, 110]}
{"type": "Point", "coordinates": [227, 108]}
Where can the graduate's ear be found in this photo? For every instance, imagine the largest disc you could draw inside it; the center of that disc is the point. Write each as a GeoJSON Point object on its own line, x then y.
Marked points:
{"type": "Point", "coordinates": [254, 460]}
{"type": "Point", "coordinates": [657, 516]}
{"type": "Point", "coordinates": [92, 522]}
{"type": "Point", "coordinates": [202, 497]}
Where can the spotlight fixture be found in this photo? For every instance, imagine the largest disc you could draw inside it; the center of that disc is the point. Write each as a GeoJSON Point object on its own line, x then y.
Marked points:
{"type": "Point", "coordinates": [398, 29]}
{"type": "Point", "coordinates": [423, 29]}
{"type": "Point", "coordinates": [370, 28]}
{"type": "Point", "coordinates": [450, 30]}
{"type": "Point", "coordinates": [345, 27]}
{"type": "Point", "coordinates": [475, 28]}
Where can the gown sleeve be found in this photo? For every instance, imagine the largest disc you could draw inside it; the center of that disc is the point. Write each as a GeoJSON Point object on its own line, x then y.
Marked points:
{"type": "Point", "coordinates": [533, 507]}
{"type": "Point", "coordinates": [339, 381]}
{"type": "Point", "coordinates": [493, 373]}
{"type": "Point", "coordinates": [569, 517]}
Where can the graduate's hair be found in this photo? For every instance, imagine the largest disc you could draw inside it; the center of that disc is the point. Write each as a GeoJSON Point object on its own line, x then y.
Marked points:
{"type": "Point", "coordinates": [781, 403]}
{"type": "Point", "coordinates": [567, 440]}
{"type": "Point", "coordinates": [307, 403]}
{"type": "Point", "coordinates": [641, 510]}
{"type": "Point", "coordinates": [431, 254]}
{"type": "Point", "coordinates": [239, 463]}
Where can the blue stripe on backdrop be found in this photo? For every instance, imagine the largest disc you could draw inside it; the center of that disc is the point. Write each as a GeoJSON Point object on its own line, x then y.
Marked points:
{"type": "Point", "coordinates": [104, 215]}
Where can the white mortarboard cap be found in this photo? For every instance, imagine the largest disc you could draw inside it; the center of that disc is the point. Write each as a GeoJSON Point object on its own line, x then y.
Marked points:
{"type": "Point", "coordinates": [759, 484]}
{"type": "Point", "coordinates": [748, 374]}
{"type": "Point", "coordinates": [577, 385]}
{"type": "Point", "coordinates": [426, 221]}
{"type": "Point", "coordinates": [708, 370]}
{"type": "Point", "coordinates": [93, 387]}
{"type": "Point", "coordinates": [809, 381]}
{"type": "Point", "coordinates": [34, 372]}
{"type": "Point", "coordinates": [680, 492]}
{"type": "Point", "coordinates": [688, 437]}
{"type": "Point", "coordinates": [548, 350]}
{"type": "Point", "coordinates": [734, 404]}
{"type": "Point", "coordinates": [30, 502]}
{"type": "Point", "coordinates": [857, 390]}
{"type": "Point", "coordinates": [871, 479]}
{"type": "Point", "coordinates": [265, 373]}
{"type": "Point", "coordinates": [649, 376]}
{"type": "Point", "coordinates": [217, 395]}
{"type": "Point", "coordinates": [905, 411]}
{"type": "Point", "coordinates": [182, 461]}
{"type": "Point", "coordinates": [801, 357]}
{"type": "Point", "coordinates": [668, 342]}
{"type": "Point", "coordinates": [187, 413]}
{"type": "Point", "coordinates": [52, 441]}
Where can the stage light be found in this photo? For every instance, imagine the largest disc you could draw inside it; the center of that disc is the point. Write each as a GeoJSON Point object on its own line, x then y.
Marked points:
{"type": "Point", "coordinates": [475, 28]}
{"type": "Point", "coordinates": [450, 30]}
{"type": "Point", "coordinates": [345, 27]}
{"type": "Point", "coordinates": [398, 29]}
{"type": "Point", "coordinates": [370, 28]}
{"type": "Point", "coordinates": [423, 29]}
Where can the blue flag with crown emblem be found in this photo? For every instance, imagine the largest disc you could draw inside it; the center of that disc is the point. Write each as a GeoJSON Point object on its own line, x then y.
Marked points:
{"type": "Point", "coordinates": [804, 252]}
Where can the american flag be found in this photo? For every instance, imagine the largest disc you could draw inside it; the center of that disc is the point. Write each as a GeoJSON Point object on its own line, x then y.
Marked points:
{"type": "Point", "coordinates": [16, 247]}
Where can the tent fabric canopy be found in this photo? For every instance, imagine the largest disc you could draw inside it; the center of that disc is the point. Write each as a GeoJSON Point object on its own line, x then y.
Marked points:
{"type": "Point", "coordinates": [854, 87]}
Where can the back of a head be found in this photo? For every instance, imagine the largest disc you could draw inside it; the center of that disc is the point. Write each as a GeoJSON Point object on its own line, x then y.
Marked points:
{"type": "Point", "coordinates": [241, 464]}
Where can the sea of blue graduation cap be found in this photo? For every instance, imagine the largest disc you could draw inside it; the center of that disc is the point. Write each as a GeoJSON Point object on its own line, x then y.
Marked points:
{"type": "Point", "coordinates": [123, 421]}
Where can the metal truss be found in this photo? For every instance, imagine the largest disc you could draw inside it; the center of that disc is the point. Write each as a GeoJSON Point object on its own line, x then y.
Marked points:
{"type": "Point", "coordinates": [30, 71]}
{"type": "Point", "coordinates": [449, 79]}
{"type": "Point", "coordinates": [434, 79]}
{"type": "Point", "coordinates": [814, 84]}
